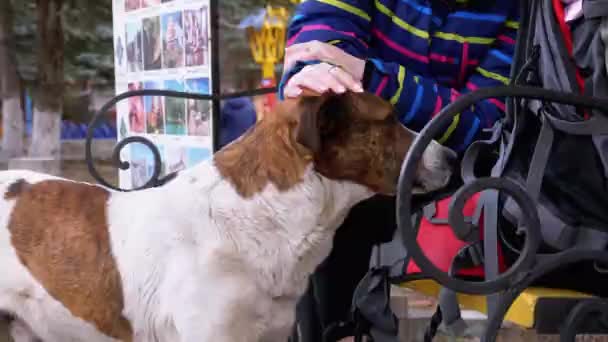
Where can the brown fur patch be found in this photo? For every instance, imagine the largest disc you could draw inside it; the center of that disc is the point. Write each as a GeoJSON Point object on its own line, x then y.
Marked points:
{"type": "Point", "coordinates": [60, 232]}
{"type": "Point", "coordinates": [268, 153]}
{"type": "Point", "coordinates": [363, 143]}
{"type": "Point", "coordinates": [16, 188]}
{"type": "Point", "coordinates": [352, 137]}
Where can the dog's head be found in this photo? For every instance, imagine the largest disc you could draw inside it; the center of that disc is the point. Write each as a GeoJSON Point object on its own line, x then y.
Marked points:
{"type": "Point", "coordinates": [357, 137]}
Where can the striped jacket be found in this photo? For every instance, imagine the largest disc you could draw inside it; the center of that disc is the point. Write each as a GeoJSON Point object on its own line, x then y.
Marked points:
{"type": "Point", "coordinates": [421, 56]}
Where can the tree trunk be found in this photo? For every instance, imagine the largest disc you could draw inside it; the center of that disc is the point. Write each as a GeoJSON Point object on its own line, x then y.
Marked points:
{"type": "Point", "coordinates": [48, 102]}
{"type": "Point", "coordinates": [10, 86]}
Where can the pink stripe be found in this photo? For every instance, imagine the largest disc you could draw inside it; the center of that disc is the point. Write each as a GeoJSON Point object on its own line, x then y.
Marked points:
{"type": "Point", "coordinates": [382, 85]}
{"type": "Point", "coordinates": [442, 59]}
{"type": "Point", "coordinates": [498, 104]}
{"type": "Point", "coordinates": [321, 27]}
{"type": "Point", "coordinates": [399, 48]}
{"type": "Point", "coordinates": [465, 62]}
{"type": "Point", "coordinates": [454, 94]}
{"type": "Point", "coordinates": [506, 39]}
{"type": "Point", "coordinates": [438, 106]}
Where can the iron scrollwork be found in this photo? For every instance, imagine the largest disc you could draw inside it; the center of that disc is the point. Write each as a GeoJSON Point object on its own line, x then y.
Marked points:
{"type": "Point", "coordinates": [528, 267]}
{"type": "Point", "coordinates": [156, 179]}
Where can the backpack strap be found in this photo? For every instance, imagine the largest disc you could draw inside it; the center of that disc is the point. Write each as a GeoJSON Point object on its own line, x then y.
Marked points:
{"type": "Point", "coordinates": [448, 312]}
{"type": "Point", "coordinates": [371, 307]}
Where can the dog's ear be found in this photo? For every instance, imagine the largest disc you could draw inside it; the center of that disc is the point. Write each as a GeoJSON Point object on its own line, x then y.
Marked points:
{"type": "Point", "coordinates": [308, 133]}
{"type": "Point", "coordinates": [369, 107]}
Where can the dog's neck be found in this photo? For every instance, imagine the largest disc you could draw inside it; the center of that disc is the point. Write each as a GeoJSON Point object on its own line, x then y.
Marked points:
{"type": "Point", "coordinates": [262, 192]}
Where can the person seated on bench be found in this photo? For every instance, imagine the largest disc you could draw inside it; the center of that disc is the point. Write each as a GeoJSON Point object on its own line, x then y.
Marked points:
{"type": "Point", "coordinates": [418, 54]}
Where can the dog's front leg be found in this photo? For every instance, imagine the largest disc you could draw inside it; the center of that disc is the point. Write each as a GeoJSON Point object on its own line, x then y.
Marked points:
{"type": "Point", "coordinates": [217, 323]}
{"type": "Point", "coordinates": [222, 307]}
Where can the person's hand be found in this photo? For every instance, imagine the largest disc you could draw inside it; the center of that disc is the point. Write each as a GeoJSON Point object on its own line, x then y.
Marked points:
{"type": "Point", "coordinates": [339, 71]}
{"type": "Point", "coordinates": [321, 78]}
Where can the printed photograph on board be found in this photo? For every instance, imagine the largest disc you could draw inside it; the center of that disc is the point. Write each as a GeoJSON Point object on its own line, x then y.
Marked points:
{"type": "Point", "coordinates": [142, 164]}
{"type": "Point", "coordinates": [198, 111]}
{"type": "Point", "coordinates": [173, 40]}
{"type": "Point", "coordinates": [134, 53]}
{"type": "Point", "coordinates": [151, 43]}
{"type": "Point", "coordinates": [131, 5]}
{"type": "Point", "coordinates": [155, 109]}
{"type": "Point", "coordinates": [198, 155]}
{"type": "Point", "coordinates": [197, 36]}
{"type": "Point", "coordinates": [137, 115]}
{"type": "Point", "coordinates": [177, 159]}
{"type": "Point", "coordinates": [175, 110]}
{"type": "Point", "coordinates": [120, 53]}
{"type": "Point", "coordinates": [150, 3]}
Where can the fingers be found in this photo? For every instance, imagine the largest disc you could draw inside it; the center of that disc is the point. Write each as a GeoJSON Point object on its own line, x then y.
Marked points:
{"type": "Point", "coordinates": [315, 50]}
{"type": "Point", "coordinates": [321, 78]}
{"type": "Point", "coordinates": [346, 79]}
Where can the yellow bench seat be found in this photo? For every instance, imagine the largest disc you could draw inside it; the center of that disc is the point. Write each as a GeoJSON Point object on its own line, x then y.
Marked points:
{"type": "Point", "coordinates": [522, 311]}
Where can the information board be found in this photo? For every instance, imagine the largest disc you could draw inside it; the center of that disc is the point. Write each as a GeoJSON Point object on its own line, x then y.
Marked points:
{"type": "Point", "coordinates": [163, 44]}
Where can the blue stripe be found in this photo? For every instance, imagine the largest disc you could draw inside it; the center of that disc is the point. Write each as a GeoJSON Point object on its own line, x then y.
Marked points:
{"type": "Point", "coordinates": [378, 65]}
{"type": "Point", "coordinates": [478, 16]}
{"type": "Point", "coordinates": [418, 7]}
{"type": "Point", "coordinates": [296, 18]}
{"type": "Point", "coordinates": [415, 106]}
{"type": "Point", "coordinates": [500, 55]}
{"type": "Point", "coordinates": [470, 135]}
{"type": "Point", "coordinates": [422, 9]}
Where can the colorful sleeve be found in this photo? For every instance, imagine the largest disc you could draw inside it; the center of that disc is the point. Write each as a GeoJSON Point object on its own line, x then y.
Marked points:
{"type": "Point", "coordinates": [344, 23]}
{"type": "Point", "coordinates": [418, 98]}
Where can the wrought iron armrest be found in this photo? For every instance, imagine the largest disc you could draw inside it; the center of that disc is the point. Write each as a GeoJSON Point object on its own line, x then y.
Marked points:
{"type": "Point", "coordinates": [527, 267]}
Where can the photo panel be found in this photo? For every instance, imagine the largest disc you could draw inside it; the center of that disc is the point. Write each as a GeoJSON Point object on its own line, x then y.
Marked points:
{"type": "Point", "coordinates": [175, 110]}
{"type": "Point", "coordinates": [173, 53]}
{"type": "Point", "coordinates": [165, 45]}
{"type": "Point", "coordinates": [151, 43]}
{"type": "Point", "coordinates": [132, 5]}
{"type": "Point", "coordinates": [134, 46]}
{"type": "Point", "coordinates": [154, 107]}
{"type": "Point", "coordinates": [196, 33]}
{"type": "Point", "coordinates": [120, 50]}
{"type": "Point", "coordinates": [142, 163]}
{"type": "Point", "coordinates": [198, 111]}
{"type": "Point", "coordinates": [136, 113]}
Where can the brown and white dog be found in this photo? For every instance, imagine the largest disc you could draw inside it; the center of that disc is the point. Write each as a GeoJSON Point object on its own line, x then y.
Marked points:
{"type": "Point", "coordinates": [221, 253]}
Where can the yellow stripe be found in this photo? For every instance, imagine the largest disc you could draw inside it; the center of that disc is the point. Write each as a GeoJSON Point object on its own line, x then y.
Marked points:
{"type": "Point", "coordinates": [401, 78]}
{"type": "Point", "coordinates": [493, 75]}
{"type": "Point", "coordinates": [348, 8]}
{"type": "Point", "coordinates": [334, 42]}
{"type": "Point", "coordinates": [461, 39]}
{"type": "Point", "coordinates": [512, 24]}
{"type": "Point", "coordinates": [450, 130]}
{"type": "Point", "coordinates": [399, 22]}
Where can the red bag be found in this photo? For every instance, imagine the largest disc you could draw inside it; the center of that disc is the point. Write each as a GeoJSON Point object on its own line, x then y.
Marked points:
{"type": "Point", "coordinates": [440, 244]}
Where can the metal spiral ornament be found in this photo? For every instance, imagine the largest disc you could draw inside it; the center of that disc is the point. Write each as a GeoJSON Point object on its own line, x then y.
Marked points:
{"type": "Point", "coordinates": [156, 179]}
{"type": "Point", "coordinates": [530, 218]}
